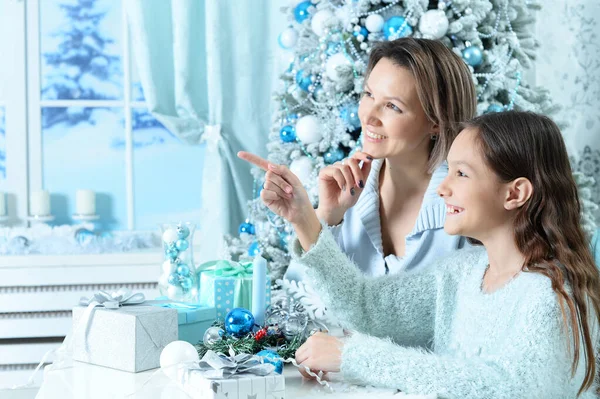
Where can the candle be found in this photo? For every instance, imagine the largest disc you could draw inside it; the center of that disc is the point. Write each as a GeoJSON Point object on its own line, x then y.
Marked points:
{"type": "Point", "coordinates": [2, 204]}
{"type": "Point", "coordinates": [259, 281]}
{"type": "Point", "coordinates": [39, 204]}
{"type": "Point", "coordinates": [85, 202]}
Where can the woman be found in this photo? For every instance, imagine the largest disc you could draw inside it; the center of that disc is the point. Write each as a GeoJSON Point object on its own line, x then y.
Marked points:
{"type": "Point", "coordinates": [514, 318]}
{"type": "Point", "coordinates": [417, 91]}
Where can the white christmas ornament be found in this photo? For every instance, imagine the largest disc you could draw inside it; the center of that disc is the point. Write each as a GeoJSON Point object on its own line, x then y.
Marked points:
{"type": "Point", "coordinates": [167, 267]}
{"type": "Point", "coordinates": [177, 352]}
{"type": "Point", "coordinates": [308, 129]}
{"type": "Point", "coordinates": [302, 167]}
{"type": "Point", "coordinates": [318, 21]}
{"type": "Point", "coordinates": [332, 63]}
{"type": "Point", "coordinates": [434, 24]}
{"type": "Point", "coordinates": [288, 38]}
{"type": "Point", "coordinates": [169, 236]}
{"type": "Point", "coordinates": [374, 23]}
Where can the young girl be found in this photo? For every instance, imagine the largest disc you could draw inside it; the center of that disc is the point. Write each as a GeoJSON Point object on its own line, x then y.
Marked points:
{"type": "Point", "coordinates": [514, 318]}
{"type": "Point", "coordinates": [416, 93]}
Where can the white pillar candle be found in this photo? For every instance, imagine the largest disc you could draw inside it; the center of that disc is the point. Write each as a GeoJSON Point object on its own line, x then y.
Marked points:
{"type": "Point", "coordinates": [2, 204]}
{"type": "Point", "coordinates": [85, 202]}
{"type": "Point", "coordinates": [259, 281]}
{"type": "Point", "coordinates": [39, 204]}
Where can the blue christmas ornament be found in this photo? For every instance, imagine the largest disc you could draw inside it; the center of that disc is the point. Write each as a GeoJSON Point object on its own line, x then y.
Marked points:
{"type": "Point", "coordinates": [239, 322]}
{"type": "Point", "coordinates": [183, 231]}
{"type": "Point", "coordinates": [494, 108]}
{"type": "Point", "coordinates": [247, 228]}
{"type": "Point", "coordinates": [273, 358]}
{"type": "Point", "coordinates": [173, 279]}
{"type": "Point", "coordinates": [349, 113]}
{"type": "Point", "coordinates": [472, 56]}
{"type": "Point", "coordinates": [84, 236]}
{"type": "Point", "coordinates": [333, 155]}
{"type": "Point", "coordinates": [303, 80]}
{"type": "Point", "coordinates": [183, 270]}
{"type": "Point", "coordinates": [363, 31]}
{"type": "Point", "coordinates": [181, 245]}
{"type": "Point", "coordinates": [301, 11]}
{"type": "Point", "coordinates": [254, 249]}
{"type": "Point", "coordinates": [186, 283]}
{"type": "Point", "coordinates": [287, 134]}
{"type": "Point", "coordinates": [171, 252]}
{"type": "Point", "coordinates": [396, 27]}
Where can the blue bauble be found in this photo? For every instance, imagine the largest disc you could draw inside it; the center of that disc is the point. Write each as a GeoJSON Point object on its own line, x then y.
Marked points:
{"type": "Point", "coordinates": [173, 279]}
{"type": "Point", "coordinates": [181, 244]}
{"type": "Point", "coordinates": [183, 232]}
{"type": "Point", "coordinates": [186, 283]}
{"type": "Point", "coordinates": [287, 134]}
{"type": "Point", "coordinates": [84, 236]}
{"type": "Point", "coordinates": [254, 249]}
{"type": "Point", "coordinates": [349, 113]}
{"type": "Point", "coordinates": [363, 31]}
{"type": "Point", "coordinates": [396, 27]}
{"type": "Point", "coordinates": [171, 252]}
{"type": "Point", "coordinates": [273, 358]}
{"type": "Point", "coordinates": [494, 108]}
{"type": "Point", "coordinates": [303, 80]}
{"type": "Point", "coordinates": [333, 155]}
{"type": "Point", "coordinates": [472, 56]}
{"type": "Point", "coordinates": [239, 322]}
{"type": "Point", "coordinates": [301, 11]}
{"type": "Point", "coordinates": [183, 270]}
{"type": "Point", "coordinates": [247, 228]}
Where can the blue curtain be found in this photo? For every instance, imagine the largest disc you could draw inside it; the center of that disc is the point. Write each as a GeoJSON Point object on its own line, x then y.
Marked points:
{"type": "Point", "coordinates": [208, 69]}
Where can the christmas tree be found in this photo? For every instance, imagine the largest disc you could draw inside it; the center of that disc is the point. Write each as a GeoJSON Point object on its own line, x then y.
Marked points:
{"type": "Point", "coordinates": [317, 122]}
{"type": "Point", "coordinates": [85, 65]}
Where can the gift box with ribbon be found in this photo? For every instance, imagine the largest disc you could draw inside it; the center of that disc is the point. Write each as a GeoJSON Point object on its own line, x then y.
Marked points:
{"type": "Point", "coordinates": [121, 331]}
{"type": "Point", "coordinates": [193, 319]}
{"type": "Point", "coordinates": [225, 285]}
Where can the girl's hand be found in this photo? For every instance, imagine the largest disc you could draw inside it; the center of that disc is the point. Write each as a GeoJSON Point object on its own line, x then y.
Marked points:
{"type": "Point", "coordinates": [340, 186]}
{"type": "Point", "coordinates": [320, 352]}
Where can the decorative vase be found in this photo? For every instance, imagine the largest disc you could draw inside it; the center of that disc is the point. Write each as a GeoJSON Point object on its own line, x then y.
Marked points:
{"type": "Point", "coordinates": [178, 278]}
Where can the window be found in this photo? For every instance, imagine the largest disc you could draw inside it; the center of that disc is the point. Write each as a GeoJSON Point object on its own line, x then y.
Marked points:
{"type": "Point", "coordinates": [88, 125]}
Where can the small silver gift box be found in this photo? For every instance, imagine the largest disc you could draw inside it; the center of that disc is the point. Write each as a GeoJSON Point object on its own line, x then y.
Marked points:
{"type": "Point", "coordinates": [129, 338]}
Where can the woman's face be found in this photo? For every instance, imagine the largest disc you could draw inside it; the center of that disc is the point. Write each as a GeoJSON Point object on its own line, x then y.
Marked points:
{"type": "Point", "coordinates": [474, 195]}
{"type": "Point", "coordinates": [392, 118]}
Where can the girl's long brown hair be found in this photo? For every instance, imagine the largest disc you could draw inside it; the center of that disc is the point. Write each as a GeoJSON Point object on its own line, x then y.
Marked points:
{"type": "Point", "coordinates": [547, 228]}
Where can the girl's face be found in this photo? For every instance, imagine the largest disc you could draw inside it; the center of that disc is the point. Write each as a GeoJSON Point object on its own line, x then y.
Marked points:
{"type": "Point", "coordinates": [392, 118]}
{"type": "Point", "coordinates": [474, 195]}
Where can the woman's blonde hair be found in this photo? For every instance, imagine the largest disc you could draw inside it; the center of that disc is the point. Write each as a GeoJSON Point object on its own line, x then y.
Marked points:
{"type": "Point", "coordinates": [444, 86]}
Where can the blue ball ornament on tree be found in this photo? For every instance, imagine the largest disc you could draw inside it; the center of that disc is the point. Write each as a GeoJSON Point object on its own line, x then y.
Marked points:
{"type": "Point", "coordinates": [303, 80]}
{"type": "Point", "coordinates": [239, 322]}
{"type": "Point", "coordinates": [181, 244]}
{"type": "Point", "coordinates": [396, 27]}
{"type": "Point", "coordinates": [363, 31]}
{"type": "Point", "coordinates": [287, 134]}
{"type": "Point", "coordinates": [349, 114]}
{"type": "Point", "coordinates": [301, 11]}
{"type": "Point", "coordinates": [333, 155]}
{"type": "Point", "coordinates": [473, 56]}
{"type": "Point", "coordinates": [494, 108]}
{"type": "Point", "coordinates": [254, 249]}
{"type": "Point", "coordinates": [273, 358]}
{"type": "Point", "coordinates": [247, 228]}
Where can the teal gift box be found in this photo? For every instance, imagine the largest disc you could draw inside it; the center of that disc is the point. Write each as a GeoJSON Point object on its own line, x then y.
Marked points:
{"type": "Point", "coordinates": [193, 320]}
{"type": "Point", "coordinates": [225, 285]}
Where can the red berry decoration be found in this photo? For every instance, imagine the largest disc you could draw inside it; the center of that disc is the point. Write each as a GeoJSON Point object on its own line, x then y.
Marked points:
{"type": "Point", "coordinates": [260, 334]}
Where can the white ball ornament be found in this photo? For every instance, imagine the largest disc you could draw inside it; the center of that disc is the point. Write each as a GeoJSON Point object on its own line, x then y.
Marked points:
{"type": "Point", "coordinates": [308, 129]}
{"type": "Point", "coordinates": [175, 353]}
{"type": "Point", "coordinates": [302, 167]}
{"type": "Point", "coordinates": [434, 24]}
{"type": "Point", "coordinates": [319, 20]}
{"type": "Point", "coordinates": [288, 38]}
{"type": "Point", "coordinates": [333, 62]}
{"type": "Point", "coordinates": [374, 23]}
{"type": "Point", "coordinates": [170, 235]}
{"type": "Point", "coordinates": [167, 267]}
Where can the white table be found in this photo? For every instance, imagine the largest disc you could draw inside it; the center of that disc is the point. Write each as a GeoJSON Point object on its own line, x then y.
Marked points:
{"type": "Point", "coordinates": [85, 381]}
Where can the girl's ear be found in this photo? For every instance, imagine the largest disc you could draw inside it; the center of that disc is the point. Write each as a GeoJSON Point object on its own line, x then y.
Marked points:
{"type": "Point", "coordinates": [518, 193]}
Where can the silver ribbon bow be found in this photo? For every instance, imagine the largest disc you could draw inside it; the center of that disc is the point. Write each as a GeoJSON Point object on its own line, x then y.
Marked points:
{"type": "Point", "coordinates": [218, 366]}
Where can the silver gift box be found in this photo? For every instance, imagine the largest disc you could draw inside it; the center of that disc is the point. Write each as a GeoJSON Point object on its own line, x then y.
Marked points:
{"type": "Point", "coordinates": [129, 338]}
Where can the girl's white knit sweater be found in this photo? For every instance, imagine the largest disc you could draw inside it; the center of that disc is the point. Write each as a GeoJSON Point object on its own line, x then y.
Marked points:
{"type": "Point", "coordinates": [509, 344]}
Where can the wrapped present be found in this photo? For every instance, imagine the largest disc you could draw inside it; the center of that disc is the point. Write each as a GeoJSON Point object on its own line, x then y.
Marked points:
{"type": "Point", "coordinates": [193, 320]}
{"type": "Point", "coordinates": [225, 285]}
{"type": "Point", "coordinates": [128, 338]}
{"type": "Point", "coordinates": [239, 376]}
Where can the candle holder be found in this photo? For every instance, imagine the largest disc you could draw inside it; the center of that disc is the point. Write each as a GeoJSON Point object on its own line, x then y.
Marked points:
{"type": "Point", "coordinates": [40, 218]}
{"type": "Point", "coordinates": [85, 218]}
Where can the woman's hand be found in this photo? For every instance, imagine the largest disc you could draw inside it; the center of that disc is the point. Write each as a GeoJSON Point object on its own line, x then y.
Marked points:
{"type": "Point", "coordinates": [340, 186]}
{"type": "Point", "coordinates": [320, 352]}
{"type": "Point", "coordinates": [284, 194]}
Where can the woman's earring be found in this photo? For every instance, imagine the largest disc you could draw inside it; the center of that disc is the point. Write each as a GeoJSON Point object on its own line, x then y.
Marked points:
{"type": "Point", "coordinates": [433, 137]}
